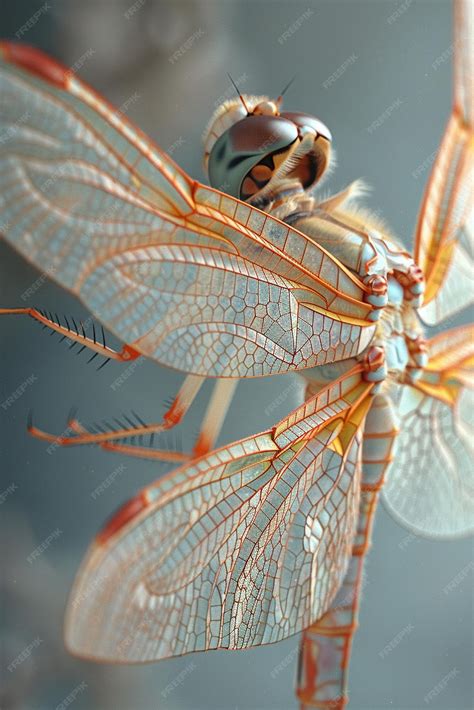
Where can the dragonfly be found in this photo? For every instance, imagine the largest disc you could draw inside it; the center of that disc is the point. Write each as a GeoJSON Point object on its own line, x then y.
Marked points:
{"type": "Point", "coordinates": [256, 275]}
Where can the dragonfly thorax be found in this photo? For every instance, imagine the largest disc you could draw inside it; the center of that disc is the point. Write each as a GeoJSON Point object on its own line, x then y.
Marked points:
{"type": "Point", "coordinates": [401, 335]}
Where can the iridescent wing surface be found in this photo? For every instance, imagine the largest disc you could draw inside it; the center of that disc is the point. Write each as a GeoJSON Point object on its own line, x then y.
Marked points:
{"type": "Point", "coordinates": [243, 547]}
{"type": "Point", "coordinates": [186, 275]}
{"type": "Point", "coordinates": [445, 232]}
{"type": "Point", "coordinates": [430, 484]}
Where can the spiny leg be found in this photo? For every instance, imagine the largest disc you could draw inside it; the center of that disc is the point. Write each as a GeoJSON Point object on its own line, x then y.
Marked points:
{"type": "Point", "coordinates": [127, 353]}
{"type": "Point", "coordinates": [211, 426]}
{"type": "Point", "coordinates": [144, 452]}
{"type": "Point", "coordinates": [173, 416]}
{"type": "Point", "coordinates": [326, 645]}
{"type": "Point", "coordinates": [215, 414]}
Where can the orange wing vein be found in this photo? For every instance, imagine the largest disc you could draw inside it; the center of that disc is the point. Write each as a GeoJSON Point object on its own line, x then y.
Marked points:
{"type": "Point", "coordinates": [430, 484]}
{"type": "Point", "coordinates": [243, 547]}
{"type": "Point", "coordinates": [186, 275]}
{"type": "Point", "coordinates": [445, 231]}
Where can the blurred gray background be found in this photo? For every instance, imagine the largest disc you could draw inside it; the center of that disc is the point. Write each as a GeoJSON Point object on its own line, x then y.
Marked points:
{"type": "Point", "coordinates": [386, 110]}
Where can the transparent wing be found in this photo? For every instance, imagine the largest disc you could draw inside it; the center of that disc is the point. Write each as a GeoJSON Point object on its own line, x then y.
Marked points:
{"type": "Point", "coordinates": [445, 231]}
{"type": "Point", "coordinates": [243, 547]}
{"type": "Point", "coordinates": [183, 273]}
{"type": "Point", "coordinates": [430, 484]}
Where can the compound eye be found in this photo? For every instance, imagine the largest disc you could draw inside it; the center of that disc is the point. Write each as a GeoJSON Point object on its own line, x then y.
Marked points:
{"type": "Point", "coordinates": [262, 134]}
{"type": "Point", "coordinates": [304, 120]}
{"type": "Point", "coordinates": [246, 150]}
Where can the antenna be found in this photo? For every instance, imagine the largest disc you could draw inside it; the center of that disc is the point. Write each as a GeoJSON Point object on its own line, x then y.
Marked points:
{"type": "Point", "coordinates": [239, 94]}
{"type": "Point", "coordinates": [280, 98]}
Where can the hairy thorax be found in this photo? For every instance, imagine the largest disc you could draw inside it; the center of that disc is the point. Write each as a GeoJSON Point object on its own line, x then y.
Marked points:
{"type": "Point", "coordinates": [362, 243]}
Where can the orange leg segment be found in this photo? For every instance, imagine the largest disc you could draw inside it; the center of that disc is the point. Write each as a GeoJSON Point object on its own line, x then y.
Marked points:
{"type": "Point", "coordinates": [127, 353]}
{"type": "Point", "coordinates": [215, 414]}
{"type": "Point", "coordinates": [176, 412]}
{"type": "Point", "coordinates": [216, 411]}
{"type": "Point", "coordinates": [143, 452]}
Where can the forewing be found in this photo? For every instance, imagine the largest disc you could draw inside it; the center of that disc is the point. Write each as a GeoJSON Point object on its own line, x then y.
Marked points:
{"type": "Point", "coordinates": [430, 484]}
{"type": "Point", "coordinates": [92, 202]}
{"type": "Point", "coordinates": [445, 231]}
{"type": "Point", "coordinates": [246, 546]}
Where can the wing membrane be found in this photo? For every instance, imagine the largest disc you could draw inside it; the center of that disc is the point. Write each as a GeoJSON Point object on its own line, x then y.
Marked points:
{"type": "Point", "coordinates": [430, 484]}
{"type": "Point", "coordinates": [243, 547]}
{"type": "Point", "coordinates": [445, 231]}
{"type": "Point", "coordinates": [82, 193]}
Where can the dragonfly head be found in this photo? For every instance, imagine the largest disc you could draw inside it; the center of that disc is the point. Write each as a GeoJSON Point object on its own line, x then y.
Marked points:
{"type": "Point", "coordinates": [248, 139]}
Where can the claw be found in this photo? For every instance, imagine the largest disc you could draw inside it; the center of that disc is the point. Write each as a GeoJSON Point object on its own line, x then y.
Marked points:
{"type": "Point", "coordinates": [418, 350]}
{"type": "Point", "coordinates": [378, 293]}
{"type": "Point", "coordinates": [413, 282]}
{"type": "Point", "coordinates": [72, 414]}
{"type": "Point", "coordinates": [375, 365]}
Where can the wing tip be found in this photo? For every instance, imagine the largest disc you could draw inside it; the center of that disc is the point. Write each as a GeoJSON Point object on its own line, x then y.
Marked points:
{"type": "Point", "coordinates": [124, 515]}
{"type": "Point", "coordinates": [35, 62]}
